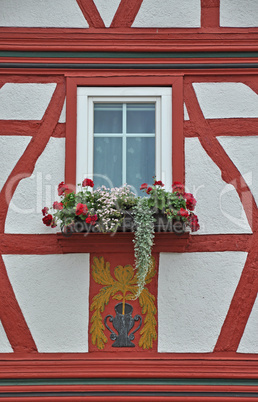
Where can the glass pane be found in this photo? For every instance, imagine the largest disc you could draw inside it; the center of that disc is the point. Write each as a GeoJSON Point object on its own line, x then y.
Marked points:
{"type": "Point", "coordinates": [140, 161]}
{"type": "Point", "coordinates": [108, 118]}
{"type": "Point", "coordinates": [107, 162]}
{"type": "Point", "coordinates": [140, 118]}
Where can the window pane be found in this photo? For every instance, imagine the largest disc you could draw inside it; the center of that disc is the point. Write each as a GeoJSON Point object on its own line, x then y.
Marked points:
{"type": "Point", "coordinates": [140, 163]}
{"type": "Point", "coordinates": [107, 162]}
{"type": "Point", "coordinates": [108, 118]}
{"type": "Point", "coordinates": [140, 118]}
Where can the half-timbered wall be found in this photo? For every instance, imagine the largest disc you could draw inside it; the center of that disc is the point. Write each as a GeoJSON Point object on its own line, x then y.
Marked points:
{"type": "Point", "coordinates": [205, 289]}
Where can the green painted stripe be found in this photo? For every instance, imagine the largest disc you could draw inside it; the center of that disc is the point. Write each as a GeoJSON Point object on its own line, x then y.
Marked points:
{"type": "Point", "coordinates": [135, 55]}
{"type": "Point", "coordinates": [128, 381]}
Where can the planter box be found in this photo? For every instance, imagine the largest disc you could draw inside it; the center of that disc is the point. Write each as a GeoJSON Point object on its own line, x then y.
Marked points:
{"type": "Point", "coordinates": [161, 224]}
{"type": "Point", "coordinates": [121, 242]}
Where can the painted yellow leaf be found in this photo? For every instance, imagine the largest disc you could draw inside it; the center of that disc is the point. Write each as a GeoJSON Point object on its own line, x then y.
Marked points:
{"type": "Point", "coordinates": [124, 274]}
{"type": "Point", "coordinates": [148, 332]}
{"type": "Point", "coordinates": [101, 271]}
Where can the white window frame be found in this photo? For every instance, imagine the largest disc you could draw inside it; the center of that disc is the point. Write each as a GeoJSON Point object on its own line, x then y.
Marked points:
{"type": "Point", "coordinates": [161, 96]}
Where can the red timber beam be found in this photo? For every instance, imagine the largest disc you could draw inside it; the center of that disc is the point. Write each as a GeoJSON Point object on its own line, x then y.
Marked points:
{"type": "Point", "coordinates": [91, 13]}
{"type": "Point", "coordinates": [126, 13]}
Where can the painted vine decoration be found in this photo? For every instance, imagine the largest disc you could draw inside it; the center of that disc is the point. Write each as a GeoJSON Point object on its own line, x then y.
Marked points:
{"type": "Point", "coordinates": [123, 287]}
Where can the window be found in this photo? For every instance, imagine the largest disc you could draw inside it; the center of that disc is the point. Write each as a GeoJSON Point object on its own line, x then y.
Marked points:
{"type": "Point", "coordinates": [124, 135]}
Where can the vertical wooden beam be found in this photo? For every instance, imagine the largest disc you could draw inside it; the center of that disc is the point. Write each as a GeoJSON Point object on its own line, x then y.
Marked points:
{"type": "Point", "coordinates": [178, 152]}
{"type": "Point", "coordinates": [210, 13]}
{"type": "Point", "coordinates": [71, 128]}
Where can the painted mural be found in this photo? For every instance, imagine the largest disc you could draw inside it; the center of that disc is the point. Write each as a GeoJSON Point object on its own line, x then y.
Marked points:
{"type": "Point", "coordinates": [199, 303]}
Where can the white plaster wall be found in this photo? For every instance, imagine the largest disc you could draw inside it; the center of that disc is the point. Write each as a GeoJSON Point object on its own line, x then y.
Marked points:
{"type": "Point", "coordinates": [25, 101]}
{"type": "Point", "coordinates": [53, 293]}
{"type": "Point", "coordinates": [238, 13]}
{"type": "Point", "coordinates": [249, 341]}
{"type": "Point", "coordinates": [62, 118]}
{"type": "Point", "coordinates": [194, 294]}
{"type": "Point", "coordinates": [42, 13]}
{"type": "Point", "coordinates": [186, 115]}
{"type": "Point", "coordinates": [243, 151]}
{"type": "Point", "coordinates": [11, 149]}
{"type": "Point", "coordinates": [107, 9]}
{"type": "Point", "coordinates": [218, 206]}
{"type": "Point", "coordinates": [5, 346]}
{"type": "Point", "coordinates": [38, 190]}
{"type": "Point", "coordinates": [168, 13]}
{"type": "Point", "coordinates": [220, 100]}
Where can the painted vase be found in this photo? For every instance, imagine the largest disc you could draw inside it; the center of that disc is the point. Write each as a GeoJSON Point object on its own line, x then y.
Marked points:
{"type": "Point", "coordinates": [123, 323]}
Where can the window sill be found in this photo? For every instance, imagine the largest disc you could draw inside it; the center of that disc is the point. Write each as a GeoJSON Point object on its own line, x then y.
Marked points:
{"type": "Point", "coordinates": [119, 242]}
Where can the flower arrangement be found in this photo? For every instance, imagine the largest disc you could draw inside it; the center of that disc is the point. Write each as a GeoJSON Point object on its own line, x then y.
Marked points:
{"type": "Point", "coordinates": [104, 210]}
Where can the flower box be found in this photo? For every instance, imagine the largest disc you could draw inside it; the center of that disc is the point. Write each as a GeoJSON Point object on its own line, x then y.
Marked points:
{"type": "Point", "coordinates": [120, 242]}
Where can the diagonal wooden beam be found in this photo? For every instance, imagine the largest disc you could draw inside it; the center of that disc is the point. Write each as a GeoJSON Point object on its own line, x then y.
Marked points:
{"type": "Point", "coordinates": [126, 13]}
{"type": "Point", "coordinates": [91, 13]}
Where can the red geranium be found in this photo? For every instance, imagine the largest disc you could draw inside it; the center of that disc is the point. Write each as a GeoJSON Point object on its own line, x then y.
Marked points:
{"type": "Point", "coordinates": [47, 220]}
{"type": "Point", "coordinates": [193, 221]}
{"type": "Point", "coordinates": [149, 189]}
{"type": "Point", "coordinates": [81, 209]}
{"type": "Point", "coordinates": [58, 205]}
{"type": "Point", "coordinates": [87, 182]}
{"type": "Point", "coordinates": [183, 212]}
{"type": "Point", "coordinates": [91, 219]}
{"type": "Point", "coordinates": [190, 201]}
{"type": "Point", "coordinates": [178, 187]}
{"type": "Point", "coordinates": [144, 186]}
{"type": "Point", "coordinates": [158, 183]}
{"type": "Point", "coordinates": [45, 211]}
{"type": "Point", "coordinates": [62, 187]}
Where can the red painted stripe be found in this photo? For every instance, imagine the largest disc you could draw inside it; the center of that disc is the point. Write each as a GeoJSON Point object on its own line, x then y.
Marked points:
{"type": "Point", "coordinates": [210, 13]}
{"type": "Point", "coordinates": [126, 13]}
{"type": "Point", "coordinates": [128, 388]}
{"type": "Point", "coordinates": [50, 243]}
{"type": "Point", "coordinates": [127, 39]}
{"type": "Point", "coordinates": [129, 399]}
{"type": "Point", "coordinates": [12, 318]}
{"type": "Point", "coordinates": [19, 127]}
{"type": "Point", "coordinates": [27, 161]}
{"type": "Point", "coordinates": [140, 365]}
{"type": "Point", "coordinates": [91, 13]}
{"type": "Point", "coordinates": [32, 77]}
{"type": "Point", "coordinates": [223, 242]}
{"type": "Point", "coordinates": [246, 292]}
{"type": "Point", "coordinates": [27, 128]}
{"type": "Point", "coordinates": [29, 244]}
{"type": "Point", "coordinates": [229, 127]}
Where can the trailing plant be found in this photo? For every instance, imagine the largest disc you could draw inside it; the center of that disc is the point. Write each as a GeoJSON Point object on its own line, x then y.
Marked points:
{"type": "Point", "coordinates": [143, 240]}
